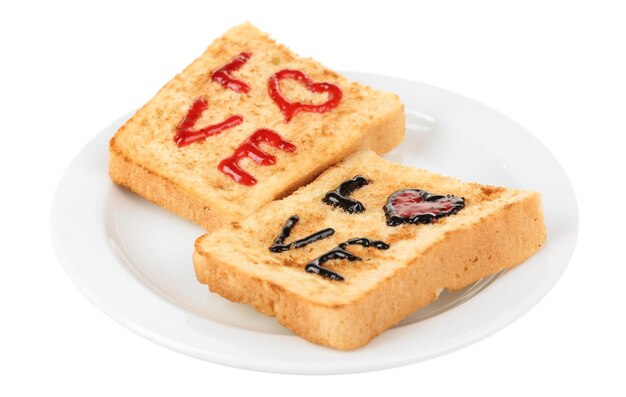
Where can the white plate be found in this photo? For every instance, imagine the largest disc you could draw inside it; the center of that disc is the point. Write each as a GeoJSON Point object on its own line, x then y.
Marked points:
{"type": "Point", "coordinates": [133, 259]}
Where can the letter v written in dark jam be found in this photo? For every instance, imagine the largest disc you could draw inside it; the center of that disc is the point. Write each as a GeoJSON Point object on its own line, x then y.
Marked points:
{"type": "Point", "coordinates": [279, 243]}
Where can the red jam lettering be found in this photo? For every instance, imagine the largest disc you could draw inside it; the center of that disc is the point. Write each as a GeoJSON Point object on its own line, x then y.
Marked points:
{"type": "Point", "coordinates": [290, 109]}
{"type": "Point", "coordinates": [250, 148]}
{"type": "Point", "coordinates": [222, 75]}
{"type": "Point", "coordinates": [186, 134]}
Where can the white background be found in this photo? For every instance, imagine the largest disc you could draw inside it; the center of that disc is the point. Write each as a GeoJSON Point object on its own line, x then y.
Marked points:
{"type": "Point", "coordinates": [69, 69]}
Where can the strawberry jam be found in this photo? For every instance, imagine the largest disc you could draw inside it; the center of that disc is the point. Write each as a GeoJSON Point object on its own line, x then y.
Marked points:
{"type": "Point", "coordinates": [419, 206]}
{"type": "Point", "coordinates": [186, 134]}
{"type": "Point", "coordinates": [222, 75]}
{"type": "Point", "coordinates": [250, 148]}
{"type": "Point", "coordinates": [290, 109]}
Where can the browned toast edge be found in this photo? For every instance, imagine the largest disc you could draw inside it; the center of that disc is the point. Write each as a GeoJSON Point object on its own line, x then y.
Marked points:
{"type": "Point", "coordinates": [510, 235]}
{"type": "Point", "coordinates": [163, 191]}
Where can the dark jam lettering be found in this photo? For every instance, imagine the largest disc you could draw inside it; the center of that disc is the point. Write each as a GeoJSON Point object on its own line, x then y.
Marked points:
{"type": "Point", "coordinates": [419, 206]}
{"type": "Point", "coordinates": [186, 134]}
{"type": "Point", "coordinates": [290, 109]}
{"type": "Point", "coordinates": [340, 253]}
{"type": "Point", "coordinates": [338, 197]}
{"type": "Point", "coordinates": [222, 75]}
{"type": "Point", "coordinates": [279, 243]}
{"type": "Point", "coordinates": [250, 148]}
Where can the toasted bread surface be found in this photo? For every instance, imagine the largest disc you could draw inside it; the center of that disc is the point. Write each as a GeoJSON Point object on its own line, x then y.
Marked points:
{"type": "Point", "coordinates": [497, 229]}
{"type": "Point", "coordinates": [186, 180]}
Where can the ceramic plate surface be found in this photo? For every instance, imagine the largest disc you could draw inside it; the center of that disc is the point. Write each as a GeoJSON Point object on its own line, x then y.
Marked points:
{"type": "Point", "coordinates": [133, 259]}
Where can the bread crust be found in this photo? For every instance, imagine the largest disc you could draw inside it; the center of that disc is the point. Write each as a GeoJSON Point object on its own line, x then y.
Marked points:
{"type": "Point", "coordinates": [501, 235]}
{"type": "Point", "coordinates": [164, 191]}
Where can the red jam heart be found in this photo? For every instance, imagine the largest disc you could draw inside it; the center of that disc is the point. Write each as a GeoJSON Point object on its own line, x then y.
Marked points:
{"type": "Point", "coordinates": [185, 133]}
{"type": "Point", "coordinates": [223, 75]}
{"type": "Point", "coordinates": [419, 206]}
{"type": "Point", "coordinates": [290, 109]}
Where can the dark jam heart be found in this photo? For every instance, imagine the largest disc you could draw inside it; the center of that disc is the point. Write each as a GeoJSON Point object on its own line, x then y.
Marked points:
{"type": "Point", "coordinates": [419, 206]}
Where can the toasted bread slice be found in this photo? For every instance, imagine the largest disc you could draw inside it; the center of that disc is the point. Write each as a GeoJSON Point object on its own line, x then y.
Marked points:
{"type": "Point", "coordinates": [186, 180]}
{"type": "Point", "coordinates": [490, 229]}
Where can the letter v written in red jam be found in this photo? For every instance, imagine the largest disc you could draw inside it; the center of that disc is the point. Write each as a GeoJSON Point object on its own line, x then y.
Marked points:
{"type": "Point", "coordinates": [250, 148]}
{"type": "Point", "coordinates": [186, 134]}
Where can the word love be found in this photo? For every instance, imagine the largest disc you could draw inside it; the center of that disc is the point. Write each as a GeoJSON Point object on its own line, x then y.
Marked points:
{"type": "Point", "coordinates": [187, 133]}
{"type": "Point", "coordinates": [414, 206]}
